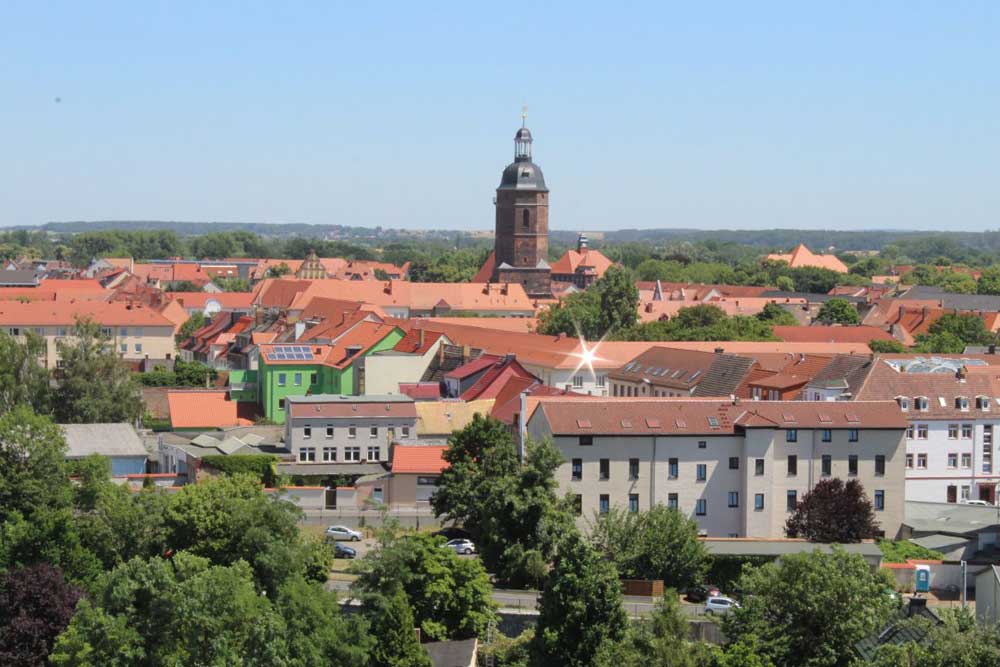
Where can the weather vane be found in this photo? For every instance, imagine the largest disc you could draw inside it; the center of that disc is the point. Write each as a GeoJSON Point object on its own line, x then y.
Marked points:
{"type": "Point", "coordinates": [524, 115]}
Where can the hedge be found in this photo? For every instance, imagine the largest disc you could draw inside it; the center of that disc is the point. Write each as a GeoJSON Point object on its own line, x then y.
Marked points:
{"type": "Point", "coordinates": [263, 466]}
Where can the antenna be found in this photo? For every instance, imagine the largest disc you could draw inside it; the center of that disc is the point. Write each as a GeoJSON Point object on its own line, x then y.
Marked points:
{"type": "Point", "coordinates": [524, 115]}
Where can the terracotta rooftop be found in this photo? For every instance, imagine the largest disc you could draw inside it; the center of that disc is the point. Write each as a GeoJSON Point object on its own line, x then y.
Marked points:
{"type": "Point", "coordinates": [228, 300]}
{"type": "Point", "coordinates": [590, 261]}
{"type": "Point", "coordinates": [207, 409]}
{"type": "Point", "coordinates": [889, 381]}
{"type": "Point", "coordinates": [65, 313]}
{"type": "Point", "coordinates": [419, 459]}
{"type": "Point", "coordinates": [830, 334]}
{"type": "Point", "coordinates": [801, 256]}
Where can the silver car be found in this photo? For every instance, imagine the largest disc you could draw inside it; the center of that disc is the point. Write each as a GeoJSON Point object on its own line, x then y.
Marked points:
{"type": "Point", "coordinates": [720, 605]}
{"type": "Point", "coordinates": [343, 533]}
{"type": "Point", "coordinates": [460, 546]}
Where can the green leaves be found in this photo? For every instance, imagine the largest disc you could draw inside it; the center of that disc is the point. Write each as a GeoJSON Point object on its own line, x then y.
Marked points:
{"type": "Point", "coordinates": [838, 311]}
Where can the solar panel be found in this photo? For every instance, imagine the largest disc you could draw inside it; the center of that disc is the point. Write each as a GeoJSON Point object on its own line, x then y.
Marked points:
{"type": "Point", "coordinates": [695, 374]}
{"type": "Point", "coordinates": [713, 422]}
{"type": "Point", "coordinates": [678, 373]}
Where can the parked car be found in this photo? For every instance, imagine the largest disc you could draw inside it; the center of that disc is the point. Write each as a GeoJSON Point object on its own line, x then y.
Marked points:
{"type": "Point", "coordinates": [461, 546]}
{"type": "Point", "coordinates": [343, 551]}
{"type": "Point", "coordinates": [720, 605]}
{"type": "Point", "coordinates": [981, 503]}
{"type": "Point", "coordinates": [343, 533]}
{"type": "Point", "coordinates": [702, 592]}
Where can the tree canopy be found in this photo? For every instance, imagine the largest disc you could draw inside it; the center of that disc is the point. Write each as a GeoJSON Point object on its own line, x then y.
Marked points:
{"type": "Point", "coordinates": [834, 512]}
{"type": "Point", "coordinates": [838, 311]}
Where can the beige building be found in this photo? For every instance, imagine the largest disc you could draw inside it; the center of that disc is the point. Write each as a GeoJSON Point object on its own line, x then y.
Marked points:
{"type": "Point", "coordinates": [136, 331]}
{"type": "Point", "coordinates": [737, 468]}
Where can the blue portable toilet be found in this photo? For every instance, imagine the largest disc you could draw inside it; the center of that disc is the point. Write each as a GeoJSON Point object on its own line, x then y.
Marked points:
{"type": "Point", "coordinates": [923, 578]}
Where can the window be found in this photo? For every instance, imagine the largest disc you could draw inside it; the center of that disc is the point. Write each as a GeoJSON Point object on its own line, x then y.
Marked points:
{"type": "Point", "coordinates": [904, 403]}
{"type": "Point", "coordinates": [967, 460]}
{"type": "Point", "coordinates": [601, 380]}
{"type": "Point", "coordinates": [307, 432]}
{"type": "Point", "coordinates": [427, 481]}
{"type": "Point", "coordinates": [701, 507]}
{"type": "Point", "coordinates": [123, 348]}
{"type": "Point", "coordinates": [633, 468]}
{"type": "Point", "coordinates": [792, 435]}
{"type": "Point", "coordinates": [373, 431]}
{"type": "Point", "coordinates": [734, 498]}
{"type": "Point", "coordinates": [578, 504]}
{"type": "Point", "coordinates": [106, 331]}
{"type": "Point", "coordinates": [701, 472]}
{"type": "Point", "coordinates": [966, 431]}
{"type": "Point", "coordinates": [793, 465]}
{"type": "Point", "coordinates": [909, 461]}
{"type": "Point", "coordinates": [281, 379]}
{"type": "Point", "coordinates": [61, 331]}
{"type": "Point", "coordinates": [406, 431]}
{"type": "Point", "coordinates": [297, 379]}
{"type": "Point", "coordinates": [352, 431]}
{"type": "Point", "coordinates": [988, 434]}
{"type": "Point", "coordinates": [605, 465]}
{"type": "Point", "coordinates": [758, 466]}
{"type": "Point", "coordinates": [702, 444]}
{"type": "Point", "coordinates": [137, 332]}
{"type": "Point", "coordinates": [577, 381]}
{"type": "Point", "coordinates": [758, 502]}
{"type": "Point", "coordinates": [586, 440]}
{"type": "Point", "coordinates": [329, 430]}
{"type": "Point", "coordinates": [14, 331]}
{"type": "Point", "coordinates": [734, 463]}
{"type": "Point", "coordinates": [909, 431]}
{"type": "Point", "coordinates": [525, 217]}
{"type": "Point", "coordinates": [352, 453]}
{"type": "Point", "coordinates": [307, 454]}
{"type": "Point", "coordinates": [879, 500]}
{"type": "Point", "coordinates": [852, 465]}
{"type": "Point", "coordinates": [921, 431]}
{"type": "Point", "coordinates": [605, 504]}
{"type": "Point", "coordinates": [672, 469]}
{"type": "Point", "coordinates": [281, 404]}
{"type": "Point", "coordinates": [672, 501]}
{"type": "Point", "coordinates": [953, 431]}
{"type": "Point", "coordinates": [374, 453]}
{"type": "Point", "coordinates": [791, 500]}
{"type": "Point", "coordinates": [880, 465]}
{"type": "Point", "coordinates": [982, 403]}
{"type": "Point", "coordinates": [852, 435]}
{"type": "Point", "coordinates": [987, 458]}
{"type": "Point", "coordinates": [827, 469]}
{"type": "Point", "coordinates": [633, 503]}
{"type": "Point", "coordinates": [952, 459]}
{"type": "Point", "coordinates": [921, 403]}
{"type": "Point", "coordinates": [962, 403]}
{"type": "Point", "coordinates": [966, 492]}
{"type": "Point", "coordinates": [826, 435]}
{"type": "Point", "coordinates": [329, 454]}
{"type": "Point", "coordinates": [138, 348]}
{"type": "Point", "coordinates": [922, 461]}
{"type": "Point", "coordinates": [392, 432]}
{"type": "Point", "coordinates": [577, 470]}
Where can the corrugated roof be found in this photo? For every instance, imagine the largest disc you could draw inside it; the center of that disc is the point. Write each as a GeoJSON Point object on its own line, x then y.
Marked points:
{"type": "Point", "coordinates": [105, 439]}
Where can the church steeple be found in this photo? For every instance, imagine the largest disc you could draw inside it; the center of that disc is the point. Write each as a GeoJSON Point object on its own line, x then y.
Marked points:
{"type": "Point", "coordinates": [522, 140]}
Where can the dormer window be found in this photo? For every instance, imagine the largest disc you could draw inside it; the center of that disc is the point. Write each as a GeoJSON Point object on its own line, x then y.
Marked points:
{"type": "Point", "coordinates": [921, 403]}
{"type": "Point", "coordinates": [983, 403]}
{"type": "Point", "coordinates": [904, 403]}
{"type": "Point", "coordinates": [962, 403]}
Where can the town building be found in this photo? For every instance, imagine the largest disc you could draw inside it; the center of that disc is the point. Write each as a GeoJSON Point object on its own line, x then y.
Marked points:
{"type": "Point", "coordinates": [738, 469]}
{"type": "Point", "coordinates": [580, 267]}
{"type": "Point", "coordinates": [664, 371]}
{"type": "Point", "coordinates": [119, 443]}
{"type": "Point", "coordinates": [802, 257]}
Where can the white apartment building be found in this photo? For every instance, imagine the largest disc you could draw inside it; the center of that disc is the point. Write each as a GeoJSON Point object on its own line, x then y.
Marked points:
{"type": "Point", "coordinates": [737, 468]}
{"type": "Point", "coordinates": [952, 406]}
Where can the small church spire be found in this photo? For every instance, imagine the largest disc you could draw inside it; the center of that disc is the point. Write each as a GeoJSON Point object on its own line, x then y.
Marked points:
{"type": "Point", "coordinates": [522, 140]}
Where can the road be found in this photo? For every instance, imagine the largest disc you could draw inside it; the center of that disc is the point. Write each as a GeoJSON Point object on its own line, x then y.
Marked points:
{"type": "Point", "coordinates": [526, 602]}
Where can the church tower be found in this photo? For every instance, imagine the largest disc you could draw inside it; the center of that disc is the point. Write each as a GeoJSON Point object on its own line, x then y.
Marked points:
{"type": "Point", "coordinates": [521, 245]}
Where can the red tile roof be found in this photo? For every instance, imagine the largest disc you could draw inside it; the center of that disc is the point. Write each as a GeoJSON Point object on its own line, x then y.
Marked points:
{"type": "Point", "coordinates": [589, 261]}
{"type": "Point", "coordinates": [421, 391]}
{"type": "Point", "coordinates": [415, 343]}
{"type": "Point", "coordinates": [65, 313]}
{"type": "Point", "coordinates": [207, 409]}
{"type": "Point", "coordinates": [228, 300]}
{"type": "Point", "coordinates": [362, 336]}
{"type": "Point", "coordinates": [473, 367]}
{"type": "Point", "coordinates": [830, 334]}
{"type": "Point", "coordinates": [419, 459]}
{"type": "Point", "coordinates": [801, 256]}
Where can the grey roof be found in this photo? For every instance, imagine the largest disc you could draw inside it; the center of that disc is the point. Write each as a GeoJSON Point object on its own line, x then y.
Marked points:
{"type": "Point", "coordinates": [330, 468]}
{"type": "Point", "coordinates": [454, 653]}
{"type": "Point", "coordinates": [723, 375]}
{"type": "Point", "coordinates": [19, 277]}
{"type": "Point", "coordinates": [846, 371]}
{"type": "Point", "coordinates": [941, 542]}
{"type": "Point", "coordinates": [340, 398]}
{"type": "Point", "coordinates": [111, 440]}
{"type": "Point", "coordinates": [949, 518]}
{"type": "Point", "coordinates": [985, 302]}
{"type": "Point", "coordinates": [899, 632]}
{"type": "Point", "coordinates": [522, 174]}
{"type": "Point", "coordinates": [739, 547]}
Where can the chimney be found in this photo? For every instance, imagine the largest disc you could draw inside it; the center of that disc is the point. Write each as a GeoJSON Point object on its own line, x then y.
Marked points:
{"type": "Point", "coordinates": [420, 333]}
{"type": "Point", "coordinates": [719, 350]}
{"type": "Point", "coordinates": [993, 349]}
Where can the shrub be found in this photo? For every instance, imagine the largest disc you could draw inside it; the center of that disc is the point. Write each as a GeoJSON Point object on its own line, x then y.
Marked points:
{"type": "Point", "coordinates": [261, 466]}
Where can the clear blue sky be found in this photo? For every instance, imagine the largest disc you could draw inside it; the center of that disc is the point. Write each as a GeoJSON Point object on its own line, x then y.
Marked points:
{"type": "Point", "coordinates": [713, 115]}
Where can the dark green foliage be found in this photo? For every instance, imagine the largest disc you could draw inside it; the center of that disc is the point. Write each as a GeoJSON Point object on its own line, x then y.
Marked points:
{"type": "Point", "coordinates": [660, 640]}
{"type": "Point", "coordinates": [232, 284]}
{"type": "Point", "coordinates": [958, 642]}
{"type": "Point", "coordinates": [834, 512]}
{"type": "Point", "coordinates": [608, 307]}
{"type": "Point", "coordinates": [808, 610]}
{"type": "Point", "coordinates": [193, 323]}
{"type": "Point", "coordinates": [185, 374]}
{"type": "Point", "coordinates": [261, 466]}
{"type": "Point", "coordinates": [511, 509]}
{"type": "Point", "coordinates": [660, 543]}
{"type": "Point", "coordinates": [580, 610]}
{"type": "Point", "coordinates": [32, 468]}
{"type": "Point", "coordinates": [450, 596]}
{"type": "Point", "coordinates": [508, 651]}
{"type": "Point", "coordinates": [989, 281]}
{"type": "Point", "coordinates": [886, 346]}
{"type": "Point", "coordinates": [725, 571]}
{"type": "Point", "coordinates": [392, 627]}
{"type": "Point", "coordinates": [702, 322]}
{"type": "Point", "coordinates": [96, 386]}
{"type": "Point", "coordinates": [838, 311]}
{"type": "Point", "coordinates": [775, 315]}
{"type": "Point", "coordinates": [317, 633]}
{"type": "Point", "coordinates": [23, 380]}
{"type": "Point", "coordinates": [183, 286]}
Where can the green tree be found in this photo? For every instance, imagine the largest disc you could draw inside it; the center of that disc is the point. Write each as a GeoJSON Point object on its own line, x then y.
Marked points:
{"type": "Point", "coordinates": [660, 543]}
{"type": "Point", "coordinates": [96, 386]}
{"type": "Point", "coordinates": [392, 626]}
{"type": "Point", "coordinates": [886, 346]}
{"type": "Point", "coordinates": [32, 468]}
{"type": "Point", "coordinates": [957, 642]}
{"type": "Point", "coordinates": [510, 508]}
{"type": "Point", "coordinates": [834, 512]}
{"type": "Point", "coordinates": [989, 280]}
{"type": "Point", "coordinates": [232, 284]}
{"type": "Point", "coordinates": [661, 640]}
{"type": "Point", "coordinates": [785, 284]}
{"type": "Point", "coordinates": [580, 609]}
{"type": "Point", "coordinates": [196, 321]}
{"type": "Point", "coordinates": [959, 283]}
{"type": "Point", "coordinates": [317, 633]}
{"type": "Point", "coordinates": [451, 597]}
{"type": "Point", "coordinates": [619, 299]}
{"type": "Point", "coordinates": [703, 322]}
{"type": "Point", "coordinates": [810, 609]}
{"type": "Point", "coordinates": [940, 343]}
{"type": "Point", "coordinates": [775, 315]}
{"type": "Point", "coordinates": [183, 286]}
{"type": "Point", "coordinates": [610, 305]}
{"type": "Point", "coordinates": [278, 270]}
{"type": "Point", "coordinates": [970, 329]}
{"type": "Point", "coordinates": [23, 380]}
{"type": "Point", "coordinates": [838, 311]}
{"type": "Point", "coordinates": [183, 612]}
